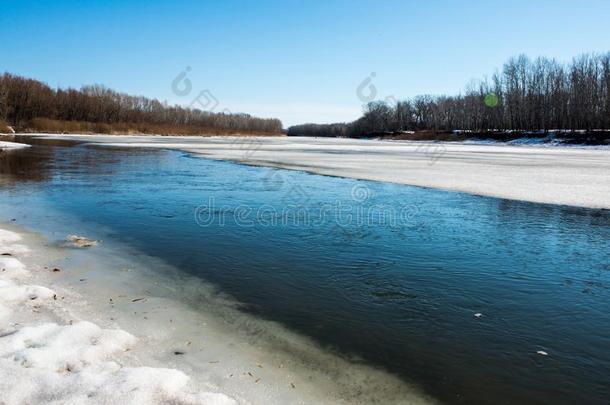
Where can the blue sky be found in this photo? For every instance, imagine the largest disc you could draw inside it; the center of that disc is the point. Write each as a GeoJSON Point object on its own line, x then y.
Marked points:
{"type": "Point", "coordinates": [300, 61]}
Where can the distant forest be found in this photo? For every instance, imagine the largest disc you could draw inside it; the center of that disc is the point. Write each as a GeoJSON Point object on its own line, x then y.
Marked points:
{"type": "Point", "coordinates": [526, 96]}
{"type": "Point", "coordinates": [30, 105]}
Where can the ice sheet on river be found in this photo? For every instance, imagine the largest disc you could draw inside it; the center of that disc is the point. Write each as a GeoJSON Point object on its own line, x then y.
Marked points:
{"type": "Point", "coordinates": [576, 176]}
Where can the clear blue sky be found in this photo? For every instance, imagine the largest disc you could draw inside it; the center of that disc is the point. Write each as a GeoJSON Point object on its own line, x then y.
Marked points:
{"type": "Point", "coordinates": [296, 60]}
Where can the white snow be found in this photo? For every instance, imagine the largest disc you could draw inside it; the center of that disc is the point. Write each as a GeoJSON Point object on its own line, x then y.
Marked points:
{"type": "Point", "coordinates": [577, 176]}
{"type": "Point", "coordinates": [20, 293]}
{"type": "Point", "coordinates": [8, 236]}
{"type": "Point", "coordinates": [11, 268]}
{"type": "Point", "coordinates": [75, 362]}
{"type": "Point", "coordinates": [5, 314]}
{"type": "Point", "coordinates": [15, 249]}
{"type": "Point", "coordinates": [12, 145]}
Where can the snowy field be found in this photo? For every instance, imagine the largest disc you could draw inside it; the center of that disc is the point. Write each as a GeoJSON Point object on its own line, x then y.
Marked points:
{"type": "Point", "coordinates": [576, 176]}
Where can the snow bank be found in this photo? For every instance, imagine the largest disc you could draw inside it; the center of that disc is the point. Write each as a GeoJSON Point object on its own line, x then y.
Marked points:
{"type": "Point", "coordinates": [101, 384]}
{"type": "Point", "coordinates": [12, 145]}
{"type": "Point", "coordinates": [10, 292]}
{"type": "Point", "coordinates": [12, 268]}
{"type": "Point", "coordinates": [75, 362]}
{"type": "Point", "coordinates": [64, 348]}
{"type": "Point", "coordinates": [8, 236]}
{"type": "Point", "coordinates": [5, 314]}
{"type": "Point", "coordinates": [51, 363]}
{"type": "Point", "coordinates": [14, 249]}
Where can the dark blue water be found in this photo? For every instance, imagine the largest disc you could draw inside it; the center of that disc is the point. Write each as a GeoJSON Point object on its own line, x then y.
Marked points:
{"type": "Point", "coordinates": [388, 274]}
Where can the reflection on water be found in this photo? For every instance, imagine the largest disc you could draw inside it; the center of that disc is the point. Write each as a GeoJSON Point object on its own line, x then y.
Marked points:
{"type": "Point", "coordinates": [16, 166]}
{"type": "Point", "coordinates": [400, 297]}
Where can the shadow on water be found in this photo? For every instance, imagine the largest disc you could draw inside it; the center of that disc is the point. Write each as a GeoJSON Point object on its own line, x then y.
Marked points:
{"type": "Point", "coordinates": [400, 296]}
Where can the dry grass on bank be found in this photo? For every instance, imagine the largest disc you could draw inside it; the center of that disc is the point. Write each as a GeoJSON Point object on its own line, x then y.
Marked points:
{"type": "Point", "coordinates": [47, 125]}
{"type": "Point", "coordinates": [426, 135]}
{"type": "Point", "coordinates": [4, 128]}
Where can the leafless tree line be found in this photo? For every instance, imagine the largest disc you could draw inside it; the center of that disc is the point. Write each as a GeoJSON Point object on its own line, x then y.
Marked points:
{"type": "Point", "coordinates": [25, 103]}
{"type": "Point", "coordinates": [527, 95]}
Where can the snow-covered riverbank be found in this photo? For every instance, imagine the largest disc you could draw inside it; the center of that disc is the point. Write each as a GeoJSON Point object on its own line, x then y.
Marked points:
{"type": "Point", "coordinates": [576, 176]}
{"type": "Point", "coordinates": [97, 326]}
{"type": "Point", "coordinates": [49, 356]}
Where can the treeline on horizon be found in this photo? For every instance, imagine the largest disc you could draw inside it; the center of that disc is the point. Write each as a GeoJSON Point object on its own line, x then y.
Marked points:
{"type": "Point", "coordinates": [31, 105]}
{"type": "Point", "coordinates": [526, 96]}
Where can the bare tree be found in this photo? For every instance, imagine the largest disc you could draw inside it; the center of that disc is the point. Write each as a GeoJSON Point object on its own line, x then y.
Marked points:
{"type": "Point", "coordinates": [30, 104]}
{"type": "Point", "coordinates": [535, 96]}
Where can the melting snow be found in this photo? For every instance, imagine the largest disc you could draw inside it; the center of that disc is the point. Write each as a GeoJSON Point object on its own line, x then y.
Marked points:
{"type": "Point", "coordinates": [74, 363]}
